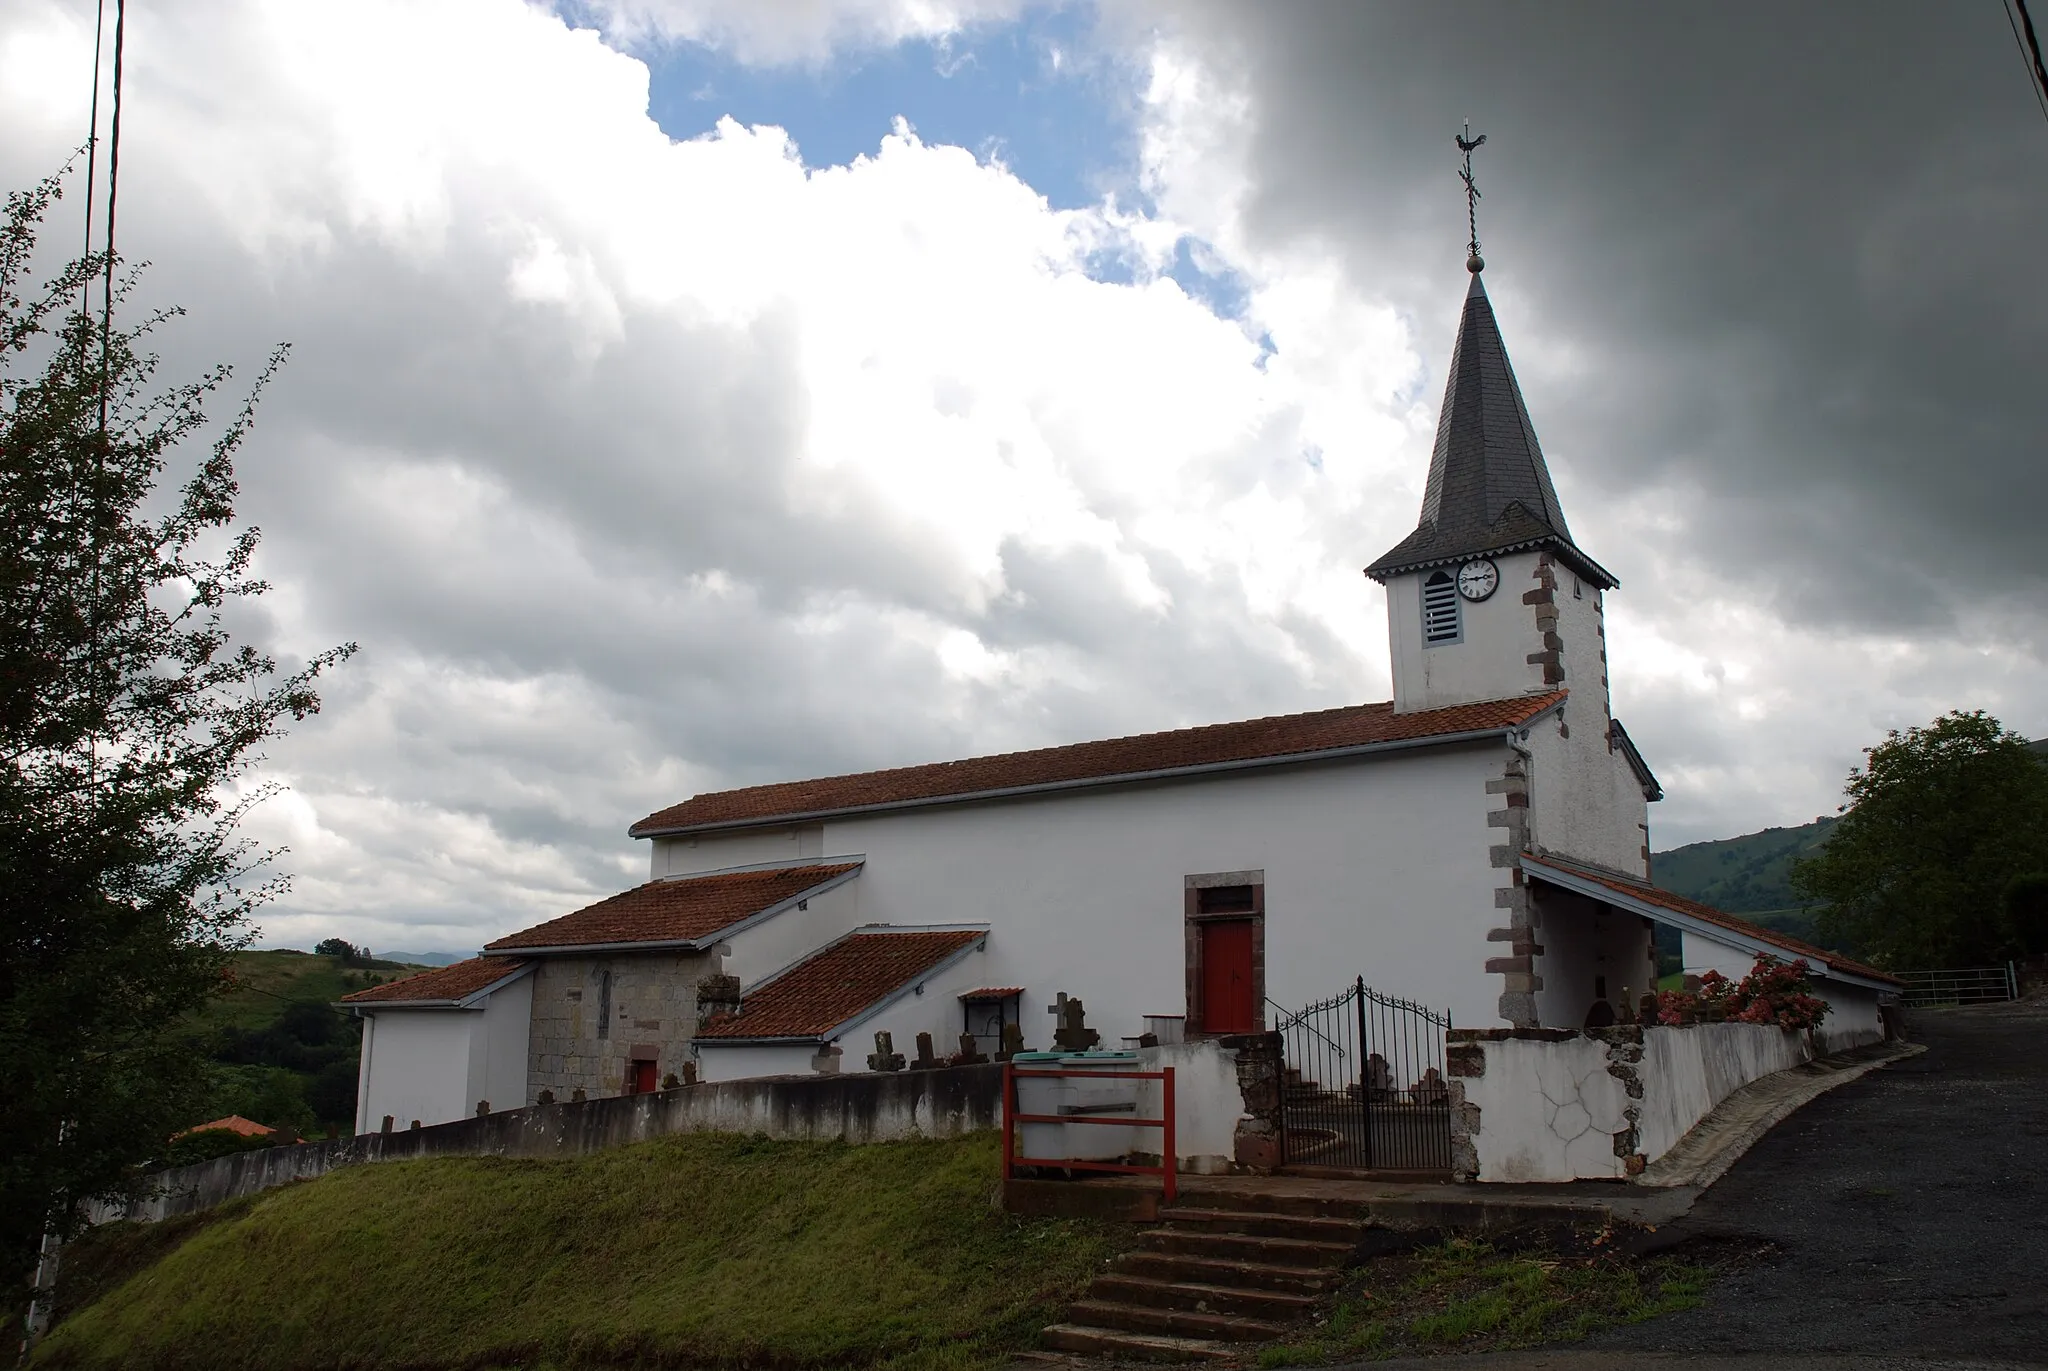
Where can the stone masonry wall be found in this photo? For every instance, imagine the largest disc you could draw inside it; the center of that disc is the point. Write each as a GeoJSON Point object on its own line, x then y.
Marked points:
{"type": "Point", "coordinates": [652, 1013]}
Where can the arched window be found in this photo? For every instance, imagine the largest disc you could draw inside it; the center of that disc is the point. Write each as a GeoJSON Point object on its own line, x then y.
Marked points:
{"type": "Point", "coordinates": [1440, 622]}
{"type": "Point", "coordinates": [604, 1004]}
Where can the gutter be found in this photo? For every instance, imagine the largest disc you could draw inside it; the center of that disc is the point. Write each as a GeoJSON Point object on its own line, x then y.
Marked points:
{"type": "Point", "coordinates": [1478, 735]}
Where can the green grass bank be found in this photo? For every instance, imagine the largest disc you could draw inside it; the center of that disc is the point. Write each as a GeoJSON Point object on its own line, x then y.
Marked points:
{"type": "Point", "coordinates": [693, 1251]}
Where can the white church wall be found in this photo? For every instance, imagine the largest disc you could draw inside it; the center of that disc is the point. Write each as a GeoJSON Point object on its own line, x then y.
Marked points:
{"type": "Point", "coordinates": [1374, 867]}
{"type": "Point", "coordinates": [754, 953]}
{"type": "Point", "coordinates": [498, 1044]}
{"type": "Point", "coordinates": [782, 843]}
{"type": "Point", "coordinates": [743, 1061]}
{"type": "Point", "coordinates": [419, 1068]}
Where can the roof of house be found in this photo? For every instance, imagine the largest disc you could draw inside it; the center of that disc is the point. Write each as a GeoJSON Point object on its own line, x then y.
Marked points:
{"type": "Point", "coordinates": [233, 1123]}
{"type": "Point", "coordinates": [1645, 893]}
{"type": "Point", "coordinates": [1287, 737]}
{"type": "Point", "coordinates": [1489, 490]}
{"type": "Point", "coordinates": [861, 971]}
{"type": "Point", "coordinates": [442, 985]}
{"type": "Point", "coordinates": [678, 910]}
{"type": "Point", "coordinates": [991, 992]}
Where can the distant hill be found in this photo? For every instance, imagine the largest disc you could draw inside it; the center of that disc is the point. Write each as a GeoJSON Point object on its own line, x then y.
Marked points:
{"type": "Point", "coordinates": [1750, 875]}
{"type": "Point", "coordinates": [426, 958]}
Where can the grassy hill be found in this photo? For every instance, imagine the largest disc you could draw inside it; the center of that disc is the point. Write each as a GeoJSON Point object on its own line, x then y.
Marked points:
{"type": "Point", "coordinates": [1750, 875]}
{"type": "Point", "coordinates": [699, 1250]}
{"type": "Point", "coordinates": [281, 1054]}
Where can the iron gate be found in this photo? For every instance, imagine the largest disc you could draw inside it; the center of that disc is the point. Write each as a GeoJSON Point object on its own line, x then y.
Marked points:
{"type": "Point", "coordinates": [1362, 1085]}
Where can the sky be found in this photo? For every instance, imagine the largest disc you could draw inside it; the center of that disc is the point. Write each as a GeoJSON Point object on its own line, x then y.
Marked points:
{"type": "Point", "coordinates": [694, 393]}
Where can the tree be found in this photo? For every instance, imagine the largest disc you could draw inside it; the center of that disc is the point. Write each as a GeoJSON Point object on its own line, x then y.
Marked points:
{"type": "Point", "coordinates": [1939, 822]}
{"type": "Point", "coordinates": [129, 722]}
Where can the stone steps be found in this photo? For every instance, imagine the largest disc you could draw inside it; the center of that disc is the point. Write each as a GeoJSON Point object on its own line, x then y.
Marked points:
{"type": "Point", "coordinates": [1233, 1270]}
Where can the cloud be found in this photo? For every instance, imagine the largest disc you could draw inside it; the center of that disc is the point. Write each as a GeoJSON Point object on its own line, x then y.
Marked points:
{"type": "Point", "coordinates": [640, 466]}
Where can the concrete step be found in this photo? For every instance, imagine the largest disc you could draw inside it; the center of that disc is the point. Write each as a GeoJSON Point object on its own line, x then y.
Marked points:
{"type": "Point", "coordinates": [1199, 1298]}
{"type": "Point", "coordinates": [1178, 1323]}
{"type": "Point", "coordinates": [1281, 1202]}
{"type": "Point", "coordinates": [1122, 1345]}
{"type": "Point", "coordinates": [1313, 1227]}
{"type": "Point", "coordinates": [1247, 1247]}
{"type": "Point", "coordinates": [1240, 1275]}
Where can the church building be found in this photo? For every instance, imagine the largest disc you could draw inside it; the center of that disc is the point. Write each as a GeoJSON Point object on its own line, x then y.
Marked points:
{"type": "Point", "coordinates": [1478, 844]}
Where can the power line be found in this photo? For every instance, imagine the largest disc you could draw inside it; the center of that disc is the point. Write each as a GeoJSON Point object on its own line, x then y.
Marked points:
{"type": "Point", "coordinates": [2022, 25]}
{"type": "Point", "coordinates": [92, 147]}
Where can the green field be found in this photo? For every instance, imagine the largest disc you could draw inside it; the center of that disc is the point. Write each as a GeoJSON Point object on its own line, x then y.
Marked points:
{"type": "Point", "coordinates": [1749, 875]}
{"type": "Point", "coordinates": [690, 1251]}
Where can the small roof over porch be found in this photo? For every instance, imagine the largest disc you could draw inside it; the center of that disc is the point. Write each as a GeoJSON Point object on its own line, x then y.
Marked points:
{"type": "Point", "coordinates": [1661, 906]}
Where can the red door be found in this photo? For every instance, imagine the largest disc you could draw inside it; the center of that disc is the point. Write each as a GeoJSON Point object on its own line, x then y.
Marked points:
{"type": "Point", "coordinates": [640, 1078]}
{"type": "Point", "coordinates": [1228, 1004]}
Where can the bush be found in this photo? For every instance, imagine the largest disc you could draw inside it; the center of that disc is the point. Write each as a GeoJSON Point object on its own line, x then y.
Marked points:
{"type": "Point", "coordinates": [2026, 912]}
{"type": "Point", "coordinates": [1774, 992]}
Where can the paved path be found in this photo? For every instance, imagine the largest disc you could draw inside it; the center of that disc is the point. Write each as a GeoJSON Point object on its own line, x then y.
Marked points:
{"type": "Point", "coordinates": [1911, 1207]}
{"type": "Point", "coordinates": [1911, 1210]}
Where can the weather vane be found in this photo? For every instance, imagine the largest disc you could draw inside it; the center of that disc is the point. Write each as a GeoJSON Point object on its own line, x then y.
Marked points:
{"type": "Point", "coordinates": [1473, 263]}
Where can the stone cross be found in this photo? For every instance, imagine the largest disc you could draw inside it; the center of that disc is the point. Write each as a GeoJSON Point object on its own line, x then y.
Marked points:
{"type": "Point", "coordinates": [927, 1057]}
{"type": "Point", "coordinates": [1073, 1033]}
{"type": "Point", "coordinates": [885, 1056]}
{"type": "Point", "coordinates": [970, 1053]}
{"type": "Point", "coordinates": [1013, 1042]}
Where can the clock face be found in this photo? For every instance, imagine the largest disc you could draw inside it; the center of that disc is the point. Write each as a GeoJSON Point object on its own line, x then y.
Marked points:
{"type": "Point", "coordinates": [1477, 580]}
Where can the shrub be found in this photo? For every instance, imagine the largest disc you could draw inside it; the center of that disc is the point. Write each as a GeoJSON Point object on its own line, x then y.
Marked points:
{"type": "Point", "coordinates": [1774, 992]}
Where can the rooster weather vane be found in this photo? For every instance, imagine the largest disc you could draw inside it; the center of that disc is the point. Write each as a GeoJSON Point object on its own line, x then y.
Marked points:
{"type": "Point", "coordinates": [1474, 263]}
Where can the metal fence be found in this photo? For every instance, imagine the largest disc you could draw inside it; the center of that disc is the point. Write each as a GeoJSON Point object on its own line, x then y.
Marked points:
{"type": "Point", "coordinates": [1966, 985]}
{"type": "Point", "coordinates": [1363, 1084]}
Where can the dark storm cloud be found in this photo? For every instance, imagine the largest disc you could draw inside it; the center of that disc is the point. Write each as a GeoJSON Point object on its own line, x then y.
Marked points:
{"type": "Point", "coordinates": [1785, 260]}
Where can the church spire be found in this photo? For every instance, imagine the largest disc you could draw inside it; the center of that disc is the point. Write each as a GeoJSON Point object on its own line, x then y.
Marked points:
{"type": "Point", "coordinates": [1489, 491]}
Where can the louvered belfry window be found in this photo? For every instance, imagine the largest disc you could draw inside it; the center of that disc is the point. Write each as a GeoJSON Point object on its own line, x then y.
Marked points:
{"type": "Point", "coordinates": [1440, 610]}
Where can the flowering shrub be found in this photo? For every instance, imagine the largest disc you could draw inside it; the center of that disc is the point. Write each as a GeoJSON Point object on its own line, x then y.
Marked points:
{"type": "Point", "coordinates": [1774, 992]}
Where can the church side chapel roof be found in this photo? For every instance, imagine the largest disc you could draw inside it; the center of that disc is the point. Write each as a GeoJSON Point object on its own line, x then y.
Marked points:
{"type": "Point", "coordinates": [861, 971]}
{"type": "Point", "coordinates": [442, 985]}
{"type": "Point", "coordinates": [1287, 737]}
{"type": "Point", "coordinates": [1706, 913]}
{"type": "Point", "coordinates": [1489, 490]}
{"type": "Point", "coordinates": [677, 911]}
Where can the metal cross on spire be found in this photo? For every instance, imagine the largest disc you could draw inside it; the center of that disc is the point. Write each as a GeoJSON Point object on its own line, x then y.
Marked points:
{"type": "Point", "coordinates": [1474, 263]}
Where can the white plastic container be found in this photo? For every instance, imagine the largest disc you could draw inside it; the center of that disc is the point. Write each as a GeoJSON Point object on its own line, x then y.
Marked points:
{"type": "Point", "coordinates": [1108, 1098]}
{"type": "Point", "coordinates": [1042, 1095]}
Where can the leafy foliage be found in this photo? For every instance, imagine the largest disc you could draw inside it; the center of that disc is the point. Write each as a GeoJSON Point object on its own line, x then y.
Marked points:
{"type": "Point", "coordinates": [129, 721]}
{"type": "Point", "coordinates": [1775, 993]}
{"type": "Point", "coordinates": [1939, 821]}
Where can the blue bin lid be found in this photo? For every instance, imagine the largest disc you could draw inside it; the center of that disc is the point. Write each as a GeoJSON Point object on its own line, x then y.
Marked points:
{"type": "Point", "coordinates": [1038, 1057]}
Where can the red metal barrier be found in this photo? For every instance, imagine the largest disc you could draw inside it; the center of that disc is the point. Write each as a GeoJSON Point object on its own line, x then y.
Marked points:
{"type": "Point", "coordinates": [1011, 1118]}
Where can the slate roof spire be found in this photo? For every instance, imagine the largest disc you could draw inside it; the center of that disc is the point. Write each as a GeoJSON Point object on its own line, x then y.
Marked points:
{"type": "Point", "coordinates": [1489, 491]}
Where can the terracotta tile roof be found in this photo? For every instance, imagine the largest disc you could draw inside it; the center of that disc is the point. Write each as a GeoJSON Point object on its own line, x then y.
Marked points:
{"type": "Point", "coordinates": [233, 1123]}
{"type": "Point", "coordinates": [991, 992]}
{"type": "Point", "coordinates": [678, 910]}
{"type": "Point", "coordinates": [1252, 740]}
{"type": "Point", "coordinates": [838, 981]}
{"type": "Point", "coordinates": [1706, 913]}
{"type": "Point", "coordinates": [454, 982]}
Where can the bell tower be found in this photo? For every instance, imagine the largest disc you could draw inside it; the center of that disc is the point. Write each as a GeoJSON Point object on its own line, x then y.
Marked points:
{"type": "Point", "coordinates": [1489, 597]}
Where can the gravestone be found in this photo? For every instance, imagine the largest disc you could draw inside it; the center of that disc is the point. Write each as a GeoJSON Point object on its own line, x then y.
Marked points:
{"type": "Point", "coordinates": [927, 1057]}
{"type": "Point", "coordinates": [1073, 1033]}
{"type": "Point", "coordinates": [1013, 1042]}
{"type": "Point", "coordinates": [483, 1108]}
{"type": "Point", "coordinates": [885, 1057]}
{"type": "Point", "coordinates": [970, 1053]}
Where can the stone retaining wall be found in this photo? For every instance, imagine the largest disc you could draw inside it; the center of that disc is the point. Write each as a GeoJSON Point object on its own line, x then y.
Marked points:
{"type": "Point", "coordinates": [1534, 1104]}
{"type": "Point", "coordinates": [869, 1107]}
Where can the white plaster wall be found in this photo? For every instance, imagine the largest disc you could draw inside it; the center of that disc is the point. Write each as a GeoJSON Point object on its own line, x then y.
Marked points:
{"type": "Point", "coordinates": [366, 1052]}
{"type": "Point", "coordinates": [1853, 1018]}
{"type": "Point", "coordinates": [1489, 663]}
{"type": "Point", "coordinates": [419, 1068]}
{"type": "Point", "coordinates": [740, 1063]}
{"type": "Point", "coordinates": [1687, 1071]}
{"type": "Point", "coordinates": [1207, 1102]}
{"type": "Point", "coordinates": [1700, 954]}
{"type": "Point", "coordinates": [1548, 1111]}
{"type": "Point", "coordinates": [782, 843]}
{"type": "Point", "coordinates": [755, 953]}
{"type": "Point", "coordinates": [498, 1043]}
{"type": "Point", "coordinates": [933, 1009]}
{"type": "Point", "coordinates": [1583, 939]}
{"type": "Point", "coordinates": [1376, 867]}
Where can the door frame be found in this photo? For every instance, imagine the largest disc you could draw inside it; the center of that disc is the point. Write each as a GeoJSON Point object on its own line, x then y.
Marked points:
{"type": "Point", "coordinates": [1194, 914]}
